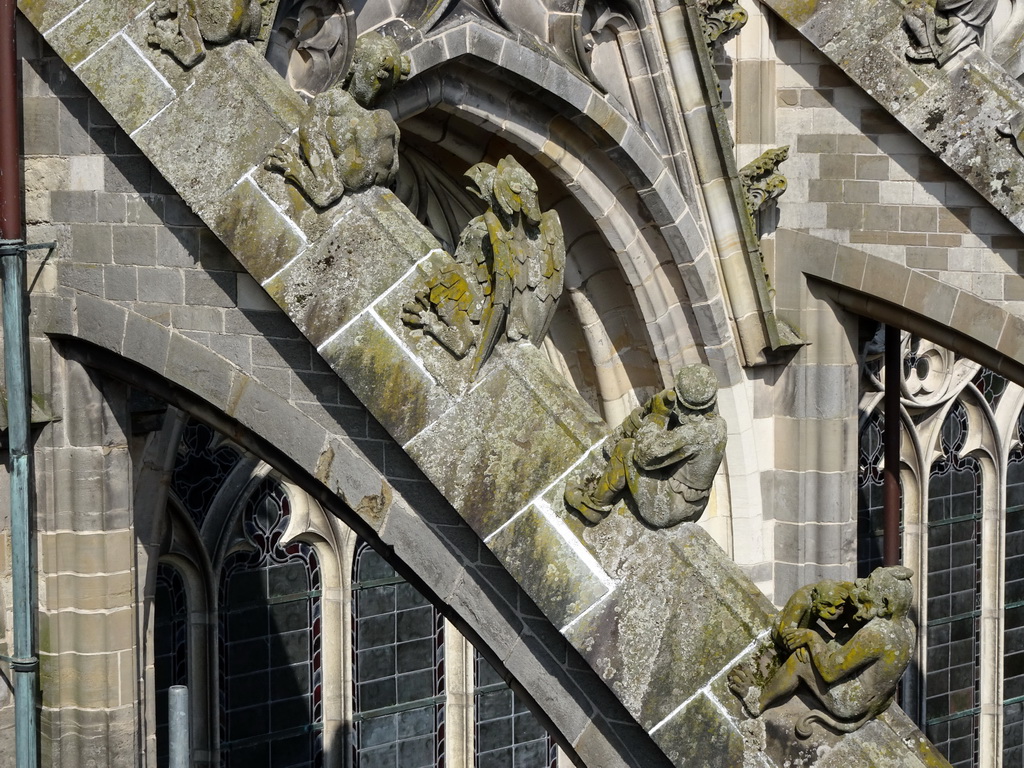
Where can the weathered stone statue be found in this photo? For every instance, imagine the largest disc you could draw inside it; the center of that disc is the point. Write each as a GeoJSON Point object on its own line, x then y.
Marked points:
{"type": "Point", "coordinates": [823, 601]}
{"type": "Point", "coordinates": [721, 18]}
{"type": "Point", "coordinates": [665, 455]}
{"type": "Point", "coordinates": [507, 273]}
{"type": "Point", "coordinates": [854, 674]}
{"type": "Point", "coordinates": [343, 145]}
{"type": "Point", "coordinates": [183, 27]}
{"type": "Point", "coordinates": [940, 29]}
{"type": "Point", "coordinates": [761, 180]}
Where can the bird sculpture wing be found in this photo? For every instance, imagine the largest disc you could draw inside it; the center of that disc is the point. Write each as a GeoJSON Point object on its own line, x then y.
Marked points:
{"type": "Point", "coordinates": [551, 262]}
{"type": "Point", "coordinates": [503, 268]}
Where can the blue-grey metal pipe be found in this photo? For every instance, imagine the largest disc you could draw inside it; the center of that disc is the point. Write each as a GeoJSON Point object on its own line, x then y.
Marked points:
{"type": "Point", "coordinates": [24, 664]}
{"type": "Point", "coordinates": [178, 727]}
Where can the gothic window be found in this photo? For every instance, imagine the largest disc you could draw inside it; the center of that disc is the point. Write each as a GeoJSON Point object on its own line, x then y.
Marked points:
{"type": "Point", "coordinates": [203, 463]}
{"type": "Point", "coordinates": [991, 385]}
{"type": "Point", "coordinates": [1013, 629]}
{"type": "Point", "coordinates": [954, 577]}
{"type": "Point", "coordinates": [399, 670]}
{"type": "Point", "coordinates": [870, 495]}
{"type": "Point", "coordinates": [170, 646]}
{"type": "Point", "coordinates": [962, 456]}
{"type": "Point", "coordinates": [507, 734]}
{"type": "Point", "coordinates": [275, 601]}
{"type": "Point", "coordinates": [271, 712]}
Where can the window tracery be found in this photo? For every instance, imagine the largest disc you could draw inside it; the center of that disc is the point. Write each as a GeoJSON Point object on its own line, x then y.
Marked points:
{"type": "Point", "coordinates": [399, 670]}
{"type": "Point", "coordinates": [271, 676]}
{"type": "Point", "coordinates": [952, 698]}
{"type": "Point", "coordinates": [870, 495]}
{"type": "Point", "coordinates": [961, 452]}
{"type": "Point", "coordinates": [204, 461]}
{"type": "Point", "coordinates": [507, 734]}
{"type": "Point", "coordinates": [300, 644]}
{"type": "Point", "coordinates": [1013, 595]}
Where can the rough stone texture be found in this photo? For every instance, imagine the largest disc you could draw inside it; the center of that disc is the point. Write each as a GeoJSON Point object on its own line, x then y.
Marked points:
{"type": "Point", "coordinates": [383, 372]}
{"type": "Point", "coordinates": [541, 558]}
{"type": "Point", "coordinates": [677, 600]}
{"type": "Point", "coordinates": [868, 41]}
{"type": "Point", "coordinates": [700, 735]}
{"type": "Point", "coordinates": [368, 251]}
{"type": "Point", "coordinates": [504, 442]}
{"type": "Point", "coordinates": [648, 625]}
{"type": "Point", "coordinates": [248, 360]}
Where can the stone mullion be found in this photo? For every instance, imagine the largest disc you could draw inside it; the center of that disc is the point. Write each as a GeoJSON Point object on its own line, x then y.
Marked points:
{"type": "Point", "coordinates": [990, 737]}
{"type": "Point", "coordinates": [87, 613]}
{"type": "Point", "coordinates": [150, 500]}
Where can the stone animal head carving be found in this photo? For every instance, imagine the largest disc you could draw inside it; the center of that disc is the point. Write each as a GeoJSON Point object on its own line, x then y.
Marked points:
{"type": "Point", "coordinates": [377, 67]}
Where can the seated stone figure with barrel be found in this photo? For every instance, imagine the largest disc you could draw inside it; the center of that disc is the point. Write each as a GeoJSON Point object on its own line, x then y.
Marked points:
{"type": "Point", "coordinates": [663, 458]}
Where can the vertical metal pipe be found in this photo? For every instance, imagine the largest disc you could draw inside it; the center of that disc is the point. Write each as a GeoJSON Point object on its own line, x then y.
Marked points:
{"type": "Point", "coordinates": [24, 664]}
{"type": "Point", "coordinates": [891, 439]}
{"type": "Point", "coordinates": [177, 726]}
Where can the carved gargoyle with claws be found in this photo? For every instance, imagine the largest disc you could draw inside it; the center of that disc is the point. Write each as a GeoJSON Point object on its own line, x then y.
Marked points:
{"type": "Point", "coordinates": [507, 273]}
{"type": "Point", "coordinates": [184, 27]}
{"type": "Point", "coordinates": [343, 145]}
{"type": "Point", "coordinates": [853, 675]}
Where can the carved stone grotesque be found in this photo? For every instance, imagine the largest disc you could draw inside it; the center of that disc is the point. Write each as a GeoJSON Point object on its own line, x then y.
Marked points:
{"type": "Point", "coordinates": [825, 600]}
{"type": "Point", "coordinates": [506, 276]}
{"type": "Point", "coordinates": [343, 145]}
{"type": "Point", "coordinates": [663, 458]}
{"type": "Point", "coordinates": [761, 180]}
{"type": "Point", "coordinates": [940, 29]}
{"type": "Point", "coordinates": [721, 18]}
{"type": "Point", "coordinates": [183, 27]}
{"type": "Point", "coordinates": [851, 661]}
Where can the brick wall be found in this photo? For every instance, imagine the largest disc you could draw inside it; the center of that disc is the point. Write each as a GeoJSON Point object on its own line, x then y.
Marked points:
{"type": "Point", "coordinates": [857, 176]}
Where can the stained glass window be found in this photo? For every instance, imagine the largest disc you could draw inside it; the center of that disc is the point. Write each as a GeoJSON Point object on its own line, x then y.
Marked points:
{"type": "Point", "coordinates": [507, 735]}
{"type": "Point", "coordinates": [170, 641]}
{"type": "Point", "coordinates": [991, 385]}
{"type": "Point", "coordinates": [399, 670]}
{"type": "Point", "coordinates": [1013, 628]}
{"type": "Point", "coordinates": [202, 465]}
{"type": "Point", "coordinates": [954, 579]}
{"type": "Point", "coordinates": [870, 496]}
{"type": "Point", "coordinates": [271, 687]}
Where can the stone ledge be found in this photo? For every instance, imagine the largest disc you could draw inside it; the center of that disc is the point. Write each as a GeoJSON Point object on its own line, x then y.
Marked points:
{"type": "Point", "coordinates": [866, 39]}
{"type": "Point", "coordinates": [680, 611]}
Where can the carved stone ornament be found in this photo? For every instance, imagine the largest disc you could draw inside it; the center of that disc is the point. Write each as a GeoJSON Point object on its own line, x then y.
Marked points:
{"type": "Point", "coordinates": [846, 644]}
{"type": "Point", "coordinates": [662, 459]}
{"type": "Point", "coordinates": [929, 375]}
{"type": "Point", "coordinates": [940, 29]}
{"type": "Point", "coordinates": [761, 180]}
{"type": "Point", "coordinates": [182, 28]}
{"type": "Point", "coordinates": [1013, 129]}
{"type": "Point", "coordinates": [343, 145]}
{"type": "Point", "coordinates": [311, 45]}
{"type": "Point", "coordinates": [721, 18]}
{"type": "Point", "coordinates": [506, 276]}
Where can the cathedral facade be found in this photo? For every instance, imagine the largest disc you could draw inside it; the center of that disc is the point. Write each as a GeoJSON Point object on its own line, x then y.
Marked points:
{"type": "Point", "coordinates": [348, 321]}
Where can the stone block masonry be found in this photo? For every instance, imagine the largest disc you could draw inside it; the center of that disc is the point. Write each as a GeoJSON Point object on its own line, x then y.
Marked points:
{"type": "Point", "coordinates": [620, 593]}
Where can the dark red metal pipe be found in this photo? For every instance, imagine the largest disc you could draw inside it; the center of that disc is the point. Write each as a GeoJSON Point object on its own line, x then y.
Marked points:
{"type": "Point", "coordinates": [891, 439]}
{"type": "Point", "coordinates": [10, 122]}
